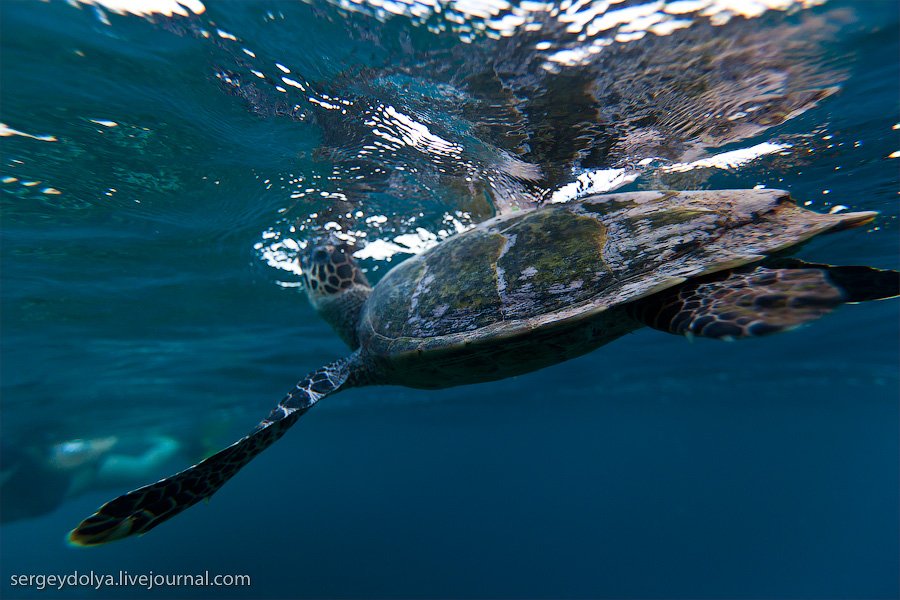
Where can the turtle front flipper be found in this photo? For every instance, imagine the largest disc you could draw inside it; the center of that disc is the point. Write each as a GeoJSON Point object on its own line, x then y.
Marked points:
{"type": "Point", "coordinates": [758, 301]}
{"type": "Point", "coordinates": [143, 509]}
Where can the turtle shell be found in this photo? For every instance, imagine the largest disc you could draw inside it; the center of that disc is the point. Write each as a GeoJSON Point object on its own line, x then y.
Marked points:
{"type": "Point", "coordinates": [555, 266]}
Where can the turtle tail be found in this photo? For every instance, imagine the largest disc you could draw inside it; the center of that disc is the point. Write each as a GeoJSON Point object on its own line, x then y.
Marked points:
{"type": "Point", "coordinates": [141, 510]}
{"type": "Point", "coordinates": [776, 296]}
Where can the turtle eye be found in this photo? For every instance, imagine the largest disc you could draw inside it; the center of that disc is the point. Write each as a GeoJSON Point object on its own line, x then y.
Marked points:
{"type": "Point", "coordinates": [320, 255]}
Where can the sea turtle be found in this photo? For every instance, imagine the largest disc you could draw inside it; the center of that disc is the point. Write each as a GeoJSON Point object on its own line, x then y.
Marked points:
{"type": "Point", "coordinates": [533, 288]}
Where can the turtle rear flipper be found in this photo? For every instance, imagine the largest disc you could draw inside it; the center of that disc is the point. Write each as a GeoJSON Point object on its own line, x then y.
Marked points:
{"type": "Point", "coordinates": [858, 284]}
{"type": "Point", "coordinates": [143, 509]}
{"type": "Point", "coordinates": [762, 300]}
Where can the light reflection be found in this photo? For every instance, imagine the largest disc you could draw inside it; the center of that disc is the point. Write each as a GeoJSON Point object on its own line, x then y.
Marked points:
{"type": "Point", "coordinates": [409, 132]}
{"type": "Point", "coordinates": [729, 160]}
{"type": "Point", "coordinates": [585, 19]}
{"type": "Point", "coordinates": [405, 145]}
{"type": "Point", "coordinates": [594, 182]}
{"type": "Point", "coordinates": [6, 131]}
{"type": "Point", "coordinates": [146, 8]}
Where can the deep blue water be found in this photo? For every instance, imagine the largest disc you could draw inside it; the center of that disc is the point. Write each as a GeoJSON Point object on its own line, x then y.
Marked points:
{"type": "Point", "coordinates": [153, 294]}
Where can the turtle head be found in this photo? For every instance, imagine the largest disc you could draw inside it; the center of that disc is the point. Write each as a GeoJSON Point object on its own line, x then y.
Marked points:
{"type": "Point", "coordinates": [329, 270]}
{"type": "Point", "coordinates": [335, 286]}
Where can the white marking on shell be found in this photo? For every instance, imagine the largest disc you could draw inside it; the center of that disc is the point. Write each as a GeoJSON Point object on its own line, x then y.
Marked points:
{"type": "Point", "coordinates": [422, 287]}
{"type": "Point", "coordinates": [559, 288]}
{"type": "Point", "coordinates": [528, 273]}
{"type": "Point", "coordinates": [501, 272]}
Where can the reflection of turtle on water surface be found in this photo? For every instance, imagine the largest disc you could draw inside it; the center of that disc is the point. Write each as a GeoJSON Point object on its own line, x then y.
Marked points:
{"type": "Point", "coordinates": [534, 288]}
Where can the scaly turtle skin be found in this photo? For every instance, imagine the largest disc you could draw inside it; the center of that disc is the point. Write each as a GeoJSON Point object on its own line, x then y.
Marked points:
{"type": "Point", "coordinates": [533, 288]}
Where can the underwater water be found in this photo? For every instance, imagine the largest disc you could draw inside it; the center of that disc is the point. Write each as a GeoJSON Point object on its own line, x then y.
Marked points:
{"type": "Point", "coordinates": [160, 174]}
